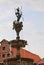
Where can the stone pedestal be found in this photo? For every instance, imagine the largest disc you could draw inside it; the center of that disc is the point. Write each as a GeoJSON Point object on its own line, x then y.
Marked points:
{"type": "Point", "coordinates": [18, 44]}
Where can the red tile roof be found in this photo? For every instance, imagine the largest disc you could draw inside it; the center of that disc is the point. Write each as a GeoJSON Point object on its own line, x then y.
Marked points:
{"type": "Point", "coordinates": [27, 54]}
{"type": "Point", "coordinates": [41, 61]}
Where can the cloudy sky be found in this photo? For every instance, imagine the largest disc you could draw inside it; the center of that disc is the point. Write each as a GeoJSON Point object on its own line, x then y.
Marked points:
{"type": "Point", "coordinates": [33, 21]}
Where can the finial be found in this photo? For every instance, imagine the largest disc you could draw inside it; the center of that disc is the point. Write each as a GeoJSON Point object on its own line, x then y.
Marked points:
{"type": "Point", "coordinates": [18, 14]}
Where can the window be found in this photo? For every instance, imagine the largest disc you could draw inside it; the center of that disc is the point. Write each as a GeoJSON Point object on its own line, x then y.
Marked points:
{"type": "Point", "coordinates": [8, 55]}
{"type": "Point", "coordinates": [3, 48]}
{"type": "Point", "coordinates": [3, 55]}
{"type": "Point", "coordinates": [35, 64]}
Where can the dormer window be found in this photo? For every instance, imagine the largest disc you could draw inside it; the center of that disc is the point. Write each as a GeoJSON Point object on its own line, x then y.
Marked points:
{"type": "Point", "coordinates": [3, 48]}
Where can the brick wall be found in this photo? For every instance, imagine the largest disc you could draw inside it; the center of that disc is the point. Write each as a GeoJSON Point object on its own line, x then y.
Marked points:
{"type": "Point", "coordinates": [4, 49]}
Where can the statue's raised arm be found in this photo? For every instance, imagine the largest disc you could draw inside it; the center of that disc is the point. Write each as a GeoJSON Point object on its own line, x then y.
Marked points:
{"type": "Point", "coordinates": [18, 14]}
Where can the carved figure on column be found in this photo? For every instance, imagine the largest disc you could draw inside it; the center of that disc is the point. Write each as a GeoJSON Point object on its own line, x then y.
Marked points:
{"type": "Point", "coordinates": [18, 14]}
{"type": "Point", "coordinates": [16, 24]}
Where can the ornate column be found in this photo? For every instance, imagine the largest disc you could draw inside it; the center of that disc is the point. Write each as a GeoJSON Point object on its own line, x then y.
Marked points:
{"type": "Point", "coordinates": [17, 25]}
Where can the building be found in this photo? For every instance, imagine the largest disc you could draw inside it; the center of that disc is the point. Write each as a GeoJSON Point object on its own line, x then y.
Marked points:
{"type": "Point", "coordinates": [6, 51]}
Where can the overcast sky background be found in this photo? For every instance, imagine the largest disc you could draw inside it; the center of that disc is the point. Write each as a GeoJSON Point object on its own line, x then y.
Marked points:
{"type": "Point", "coordinates": [33, 21]}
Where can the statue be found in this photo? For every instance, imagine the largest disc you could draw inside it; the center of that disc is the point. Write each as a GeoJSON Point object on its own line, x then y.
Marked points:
{"type": "Point", "coordinates": [18, 14]}
{"type": "Point", "coordinates": [16, 24]}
